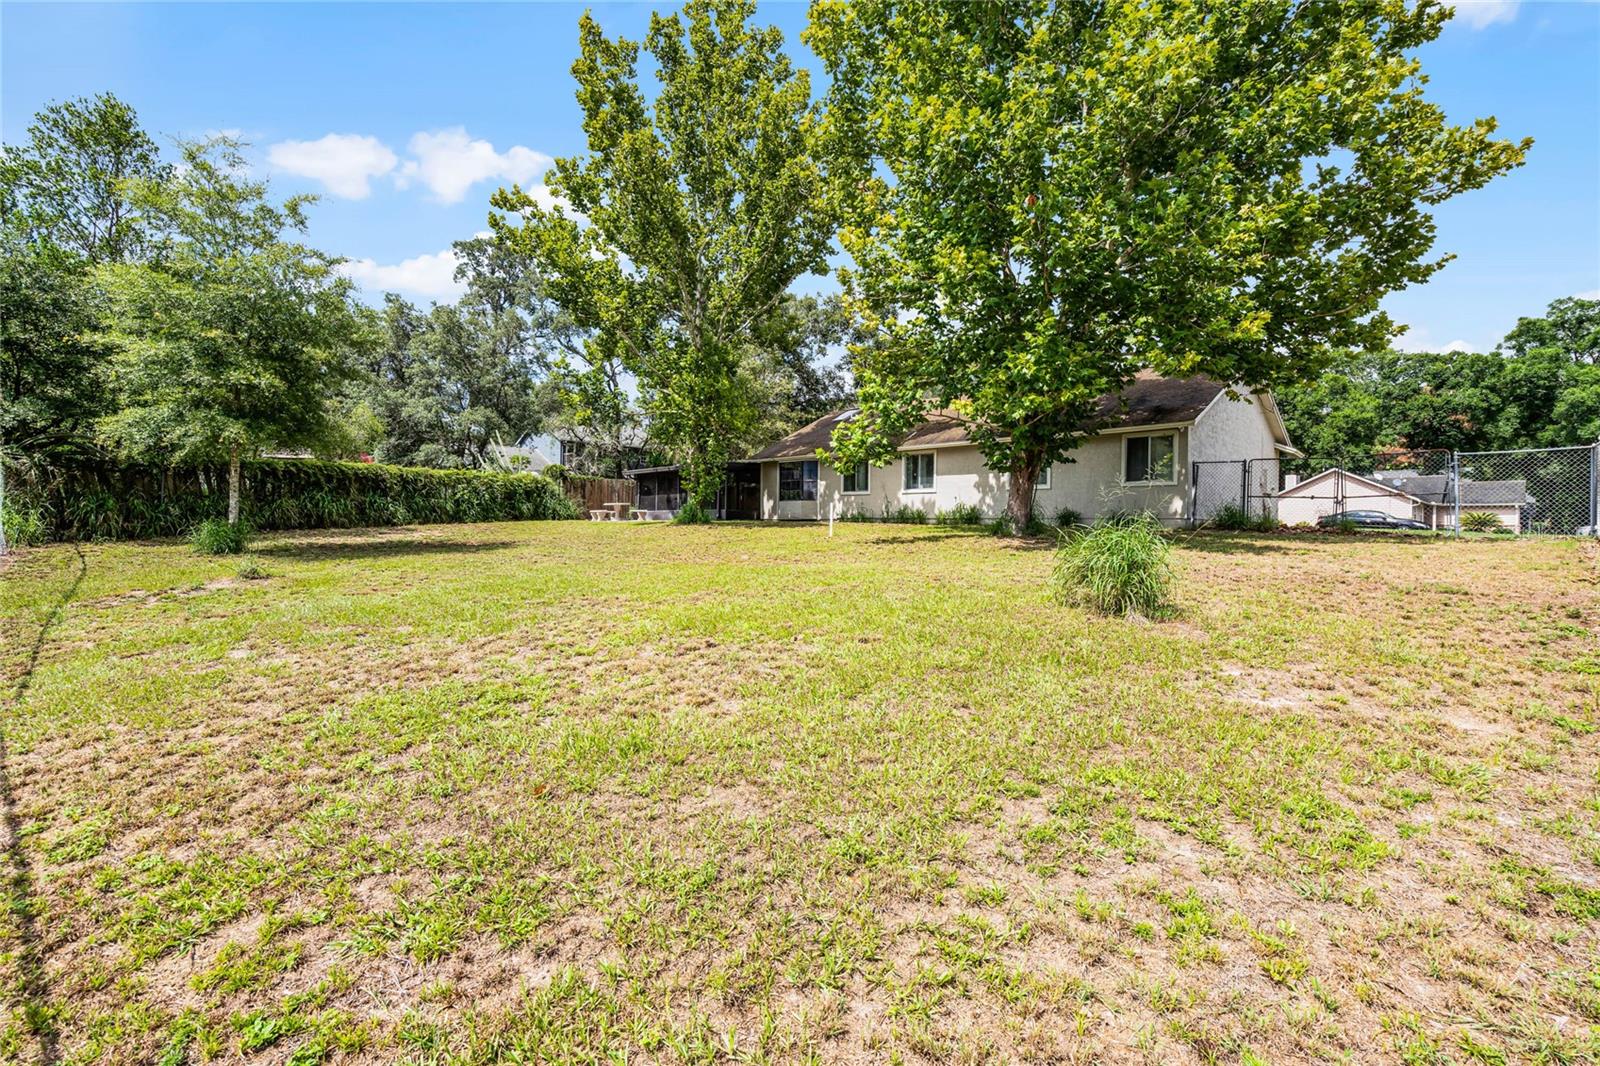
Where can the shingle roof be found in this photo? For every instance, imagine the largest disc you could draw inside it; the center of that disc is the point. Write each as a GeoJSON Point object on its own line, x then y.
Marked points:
{"type": "Point", "coordinates": [1151, 400]}
{"type": "Point", "coordinates": [1435, 488]}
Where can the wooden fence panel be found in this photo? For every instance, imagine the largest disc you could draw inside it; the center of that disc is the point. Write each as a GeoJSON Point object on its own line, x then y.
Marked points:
{"type": "Point", "coordinates": [593, 493]}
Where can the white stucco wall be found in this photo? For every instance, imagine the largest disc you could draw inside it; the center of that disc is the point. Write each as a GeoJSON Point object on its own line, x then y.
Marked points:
{"type": "Point", "coordinates": [1090, 484]}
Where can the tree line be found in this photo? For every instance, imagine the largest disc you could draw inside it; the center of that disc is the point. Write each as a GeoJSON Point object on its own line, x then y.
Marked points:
{"type": "Point", "coordinates": [1539, 389]}
{"type": "Point", "coordinates": [1034, 203]}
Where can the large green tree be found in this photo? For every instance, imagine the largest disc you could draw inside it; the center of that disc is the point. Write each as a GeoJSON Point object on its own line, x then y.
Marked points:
{"type": "Point", "coordinates": [64, 207]}
{"type": "Point", "coordinates": [1044, 198]}
{"type": "Point", "coordinates": [233, 337]}
{"type": "Point", "coordinates": [1541, 389]}
{"type": "Point", "coordinates": [686, 222]}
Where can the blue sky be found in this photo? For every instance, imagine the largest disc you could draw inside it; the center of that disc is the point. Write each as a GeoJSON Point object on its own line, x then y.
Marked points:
{"type": "Point", "coordinates": [406, 117]}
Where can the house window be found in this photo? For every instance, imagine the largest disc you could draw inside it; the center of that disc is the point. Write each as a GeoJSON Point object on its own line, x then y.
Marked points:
{"type": "Point", "coordinates": [1041, 480]}
{"type": "Point", "coordinates": [1149, 460]}
{"type": "Point", "coordinates": [919, 472]}
{"type": "Point", "coordinates": [855, 480]}
{"type": "Point", "coordinates": [797, 481]}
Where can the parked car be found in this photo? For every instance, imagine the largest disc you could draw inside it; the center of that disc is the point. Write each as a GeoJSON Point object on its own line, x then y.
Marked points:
{"type": "Point", "coordinates": [1369, 520]}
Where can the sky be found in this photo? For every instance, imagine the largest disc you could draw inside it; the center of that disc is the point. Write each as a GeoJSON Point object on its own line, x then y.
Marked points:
{"type": "Point", "coordinates": [404, 119]}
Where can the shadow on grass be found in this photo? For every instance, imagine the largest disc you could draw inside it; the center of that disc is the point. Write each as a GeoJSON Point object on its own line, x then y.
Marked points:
{"type": "Point", "coordinates": [33, 985]}
{"type": "Point", "coordinates": [1205, 540]}
{"type": "Point", "coordinates": [373, 547]}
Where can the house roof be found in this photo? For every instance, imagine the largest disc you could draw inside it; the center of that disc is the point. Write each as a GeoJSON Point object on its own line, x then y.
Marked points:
{"type": "Point", "coordinates": [1151, 400]}
{"type": "Point", "coordinates": [1435, 488]}
{"type": "Point", "coordinates": [1432, 488]}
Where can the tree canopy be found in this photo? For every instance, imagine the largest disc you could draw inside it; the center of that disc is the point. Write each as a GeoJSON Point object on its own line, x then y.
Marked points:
{"type": "Point", "coordinates": [231, 338]}
{"type": "Point", "coordinates": [1527, 395]}
{"type": "Point", "coordinates": [1042, 199]}
{"type": "Point", "coordinates": [686, 222]}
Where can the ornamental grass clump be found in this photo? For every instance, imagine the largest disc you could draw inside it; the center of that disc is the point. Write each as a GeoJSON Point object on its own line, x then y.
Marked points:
{"type": "Point", "coordinates": [1116, 567]}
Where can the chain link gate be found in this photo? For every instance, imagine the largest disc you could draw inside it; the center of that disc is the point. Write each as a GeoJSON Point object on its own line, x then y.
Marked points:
{"type": "Point", "coordinates": [1214, 486]}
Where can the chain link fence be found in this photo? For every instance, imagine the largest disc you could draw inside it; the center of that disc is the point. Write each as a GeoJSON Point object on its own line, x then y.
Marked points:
{"type": "Point", "coordinates": [1554, 491]}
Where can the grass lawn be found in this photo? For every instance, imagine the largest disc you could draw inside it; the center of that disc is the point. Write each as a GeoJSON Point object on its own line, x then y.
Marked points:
{"type": "Point", "coordinates": [586, 792]}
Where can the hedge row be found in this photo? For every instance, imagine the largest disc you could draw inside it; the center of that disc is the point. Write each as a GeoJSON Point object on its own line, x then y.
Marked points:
{"type": "Point", "coordinates": [113, 502]}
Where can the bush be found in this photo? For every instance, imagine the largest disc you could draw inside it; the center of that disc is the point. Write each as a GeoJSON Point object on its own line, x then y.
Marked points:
{"type": "Point", "coordinates": [857, 516]}
{"type": "Point", "coordinates": [105, 501]}
{"type": "Point", "coordinates": [23, 528]}
{"type": "Point", "coordinates": [692, 513]}
{"type": "Point", "coordinates": [962, 514]}
{"type": "Point", "coordinates": [1482, 522]}
{"type": "Point", "coordinates": [906, 514]}
{"type": "Point", "coordinates": [1067, 517]}
{"type": "Point", "coordinates": [1233, 517]}
{"type": "Point", "coordinates": [216, 536]}
{"type": "Point", "coordinates": [1118, 567]}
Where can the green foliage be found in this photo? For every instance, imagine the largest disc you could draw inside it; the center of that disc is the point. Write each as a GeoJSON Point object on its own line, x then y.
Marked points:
{"type": "Point", "coordinates": [1068, 517]}
{"type": "Point", "coordinates": [962, 514]}
{"type": "Point", "coordinates": [1481, 522]}
{"type": "Point", "coordinates": [1541, 389]}
{"type": "Point", "coordinates": [1233, 517]}
{"type": "Point", "coordinates": [106, 502]}
{"type": "Point", "coordinates": [1042, 200]}
{"type": "Point", "coordinates": [217, 536]}
{"type": "Point", "coordinates": [445, 384]}
{"type": "Point", "coordinates": [694, 210]}
{"type": "Point", "coordinates": [24, 527]}
{"type": "Point", "coordinates": [862, 515]}
{"type": "Point", "coordinates": [905, 514]}
{"type": "Point", "coordinates": [692, 513]}
{"type": "Point", "coordinates": [64, 208]}
{"type": "Point", "coordinates": [1117, 567]}
{"type": "Point", "coordinates": [232, 340]}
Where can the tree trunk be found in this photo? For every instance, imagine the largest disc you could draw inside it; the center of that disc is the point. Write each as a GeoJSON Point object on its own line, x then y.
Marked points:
{"type": "Point", "coordinates": [233, 488]}
{"type": "Point", "coordinates": [1019, 502]}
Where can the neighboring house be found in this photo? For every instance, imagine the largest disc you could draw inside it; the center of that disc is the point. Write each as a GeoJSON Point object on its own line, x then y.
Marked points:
{"type": "Point", "coordinates": [585, 452]}
{"type": "Point", "coordinates": [1428, 498]}
{"type": "Point", "coordinates": [1140, 459]}
{"type": "Point", "coordinates": [531, 453]}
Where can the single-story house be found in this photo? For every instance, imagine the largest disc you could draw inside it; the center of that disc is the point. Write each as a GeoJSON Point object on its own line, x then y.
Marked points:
{"type": "Point", "coordinates": [1428, 498]}
{"type": "Point", "coordinates": [1139, 459]}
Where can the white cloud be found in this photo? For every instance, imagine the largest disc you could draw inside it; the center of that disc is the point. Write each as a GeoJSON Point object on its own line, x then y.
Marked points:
{"type": "Point", "coordinates": [449, 162]}
{"type": "Point", "coordinates": [429, 277]}
{"type": "Point", "coordinates": [1481, 13]}
{"type": "Point", "coordinates": [1592, 294]}
{"type": "Point", "coordinates": [1420, 339]}
{"type": "Point", "coordinates": [344, 162]}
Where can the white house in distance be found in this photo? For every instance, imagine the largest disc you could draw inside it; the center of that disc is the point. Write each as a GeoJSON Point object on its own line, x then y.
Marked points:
{"type": "Point", "coordinates": [1427, 498]}
{"type": "Point", "coordinates": [1139, 460]}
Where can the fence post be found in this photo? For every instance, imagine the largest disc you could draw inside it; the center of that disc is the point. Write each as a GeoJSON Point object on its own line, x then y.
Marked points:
{"type": "Point", "coordinates": [1594, 489]}
{"type": "Point", "coordinates": [1455, 487]}
{"type": "Point", "coordinates": [1194, 494]}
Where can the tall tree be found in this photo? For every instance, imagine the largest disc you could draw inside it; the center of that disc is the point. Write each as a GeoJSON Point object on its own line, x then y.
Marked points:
{"type": "Point", "coordinates": [1045, 198]}
{"type": "Point", "coordinates": [68, 184]}
{"type": "Point", "coordinates": [64, 207]}
{"type": "Point", "coordinates": [1569, 326]}
{"type": "Point", "coordinates": [689, 217]}
{"type": "Point", "coordinates": [233, 338]}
